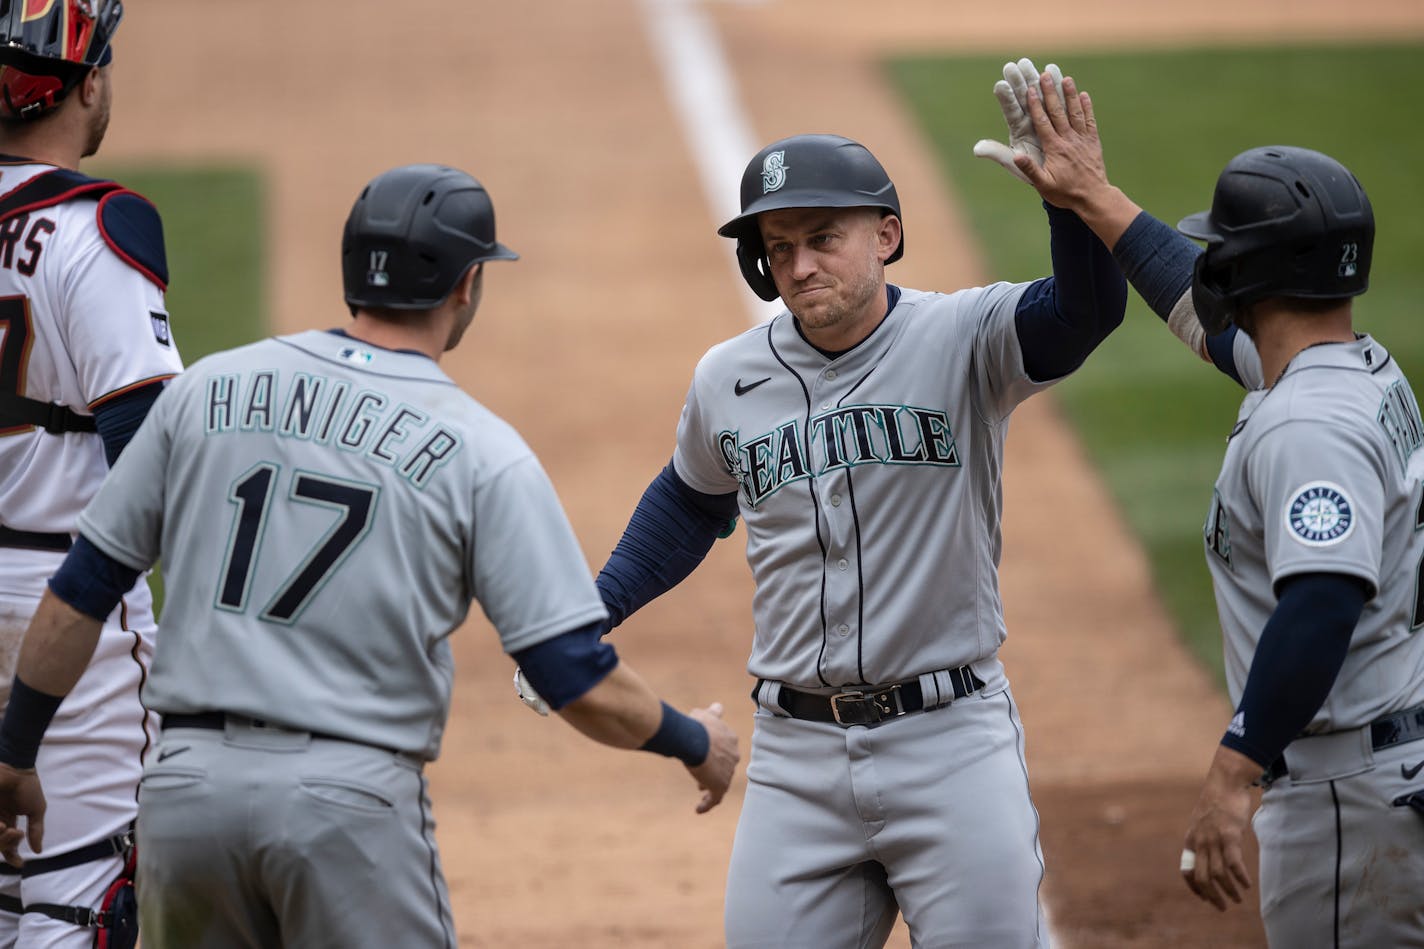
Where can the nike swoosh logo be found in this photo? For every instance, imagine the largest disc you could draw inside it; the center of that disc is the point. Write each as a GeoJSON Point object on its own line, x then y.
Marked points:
{"type": "Point", "coordinates": [740, 389]}
{"type": "Point", "coordinates": [165, 755]}
{"type": "Point", "coordinates": [1409, 773]}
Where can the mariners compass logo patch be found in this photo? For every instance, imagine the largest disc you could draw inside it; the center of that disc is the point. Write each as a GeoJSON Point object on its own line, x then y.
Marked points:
{"type": "Point", "coordinates": [1320, 514]}
{"type": "Point", "coordinates": [773, 172]}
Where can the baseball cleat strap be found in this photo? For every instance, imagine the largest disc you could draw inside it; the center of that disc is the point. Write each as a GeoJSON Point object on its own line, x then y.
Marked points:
{"type": "Point", "coordinates": [870, 706]}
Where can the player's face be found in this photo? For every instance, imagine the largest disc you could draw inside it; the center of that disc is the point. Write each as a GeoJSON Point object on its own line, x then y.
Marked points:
{"type": "Point", "coordinates": [829, 267]}
{"type": "Point", "coordinates": [99, 114]}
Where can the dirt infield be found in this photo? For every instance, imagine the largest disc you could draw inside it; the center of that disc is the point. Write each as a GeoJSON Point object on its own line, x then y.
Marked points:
{"type": "Point", "coordinates": [587, 346]}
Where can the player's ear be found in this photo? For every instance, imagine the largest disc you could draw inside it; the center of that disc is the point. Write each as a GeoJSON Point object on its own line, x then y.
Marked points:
{"type": "Point", "coordinates": [468, 290]}
{"type": "Point", "coordinates": [92, 86]}
{"type": "Point", "coordinates": [887, 236]}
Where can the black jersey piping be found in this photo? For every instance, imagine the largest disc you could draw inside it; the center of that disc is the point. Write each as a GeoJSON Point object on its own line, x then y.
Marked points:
{"type": "Point", "coordinates": [811, 483]}
{"type": "Point", "coordinates": [859, 558]}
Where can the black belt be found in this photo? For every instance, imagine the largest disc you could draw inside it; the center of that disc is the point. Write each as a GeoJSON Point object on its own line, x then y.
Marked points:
{"type": "Point", "coordinates": [34, 540]}
{"type": "Point", "coordinates": [1396, 729]}
{"type": "Point", "coordinates": [870, 706]}
{"type": "Point", "coordinates": [218, 721]}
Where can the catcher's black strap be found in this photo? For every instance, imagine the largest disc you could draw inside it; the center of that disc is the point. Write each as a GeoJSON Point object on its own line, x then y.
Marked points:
{"type": "Point", "coordinates": [54, 418]}
{"type": "Point", "coordinates": [86, 916]}
{"type": "Point", "coordinates": [44, 191]}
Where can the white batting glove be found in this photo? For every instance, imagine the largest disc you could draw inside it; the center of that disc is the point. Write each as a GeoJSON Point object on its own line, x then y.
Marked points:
{"type": "Point", "coordinates": [1012, 93]}
{"type": "Point", "coordinates": [526, 693]}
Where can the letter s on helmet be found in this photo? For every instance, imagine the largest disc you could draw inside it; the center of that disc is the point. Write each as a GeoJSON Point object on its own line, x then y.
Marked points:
{"type": "Point", "coordinates": [47, 47]}
{"type": "Point", "coordinates": [1284, 222]}
{"type": "Point", "coordinates": [412, 234]}
{"type": "Point", "coordinates": [805, 171]}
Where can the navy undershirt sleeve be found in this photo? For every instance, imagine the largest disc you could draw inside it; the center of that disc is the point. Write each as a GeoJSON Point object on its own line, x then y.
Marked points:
{"type": "Point", "coordinates": [565, 667]}
{"type": "Point", "coordinates": [119, 418]}
{"type": "Point", "coordinates": [1060, 320]}
{"type": "Point", "coordinates": [1297, 659]}
{"type": "Point", "coordinates": [669, 534]}
{"type": "Point", "coordinates": [1158, 262]}
{"type": "Point", "coordinates": [91, 581]}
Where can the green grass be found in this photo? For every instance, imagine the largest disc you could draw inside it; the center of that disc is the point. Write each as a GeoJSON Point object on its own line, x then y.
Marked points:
{"type": "Point", "coordinates": [1153, 418]}
{"type": "Point", "coordinates": [212, 228]}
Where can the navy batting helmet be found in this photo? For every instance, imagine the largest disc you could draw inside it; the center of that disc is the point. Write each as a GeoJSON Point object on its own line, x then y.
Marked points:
{"type": "Point", "coordinates": [805, 171]}
{"type": "Point", "coordinates": [412, 234]}
{"type": "Point", "coordinates": [1284, 222]}
{"type": "Point", "coordinates": [47, 47]}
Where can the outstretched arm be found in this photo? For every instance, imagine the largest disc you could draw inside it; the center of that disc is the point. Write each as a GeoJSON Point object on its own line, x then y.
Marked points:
{"type": "Point", "coordinates": [1070, 174]}
{"type": "Point", "coordinates": [669, 534]}
{"type": "Point", "coordinates": [580, 676]}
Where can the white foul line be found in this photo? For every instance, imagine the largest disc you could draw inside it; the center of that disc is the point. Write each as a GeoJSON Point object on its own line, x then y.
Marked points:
{"type": "Point", "coordinates": [704, 96]}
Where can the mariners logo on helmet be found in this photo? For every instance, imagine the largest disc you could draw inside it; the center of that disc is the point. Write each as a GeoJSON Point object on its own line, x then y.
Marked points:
{"type": "Point", "coordinates": [1320, 514]}
{"type": "Point", "coordinates": [773, 172]}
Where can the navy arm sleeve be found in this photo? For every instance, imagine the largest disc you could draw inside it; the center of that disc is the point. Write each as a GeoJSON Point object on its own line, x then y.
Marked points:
{"type": "Point", "coordinates": [91, 581]}
{"type": "Point", "coordinates": [1060, 320]}
{"type": "Point", "coordinates": [118, 418]}
{"type": "Point", "coordinates": [1158, 261]}
{"type": "Point", "coordinates": [669, 534]}
{"type": "Point", "coordinates": [565, 667]}
{"type": "Point", "coordinates": [1297, 659]}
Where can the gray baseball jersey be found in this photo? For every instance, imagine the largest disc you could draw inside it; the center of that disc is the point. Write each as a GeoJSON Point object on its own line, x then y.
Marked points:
{"type": "Point", "coordinates": [1323, 474]}
{"type": "Point", "coordinates": [869, 484]}
{"type": "Point", "coordinates": [325, 512]}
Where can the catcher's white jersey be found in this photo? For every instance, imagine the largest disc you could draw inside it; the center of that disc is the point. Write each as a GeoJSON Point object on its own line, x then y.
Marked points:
{"type": "Point", "coordinates": [1323, 474]}
{"type": "Point", "coordinates": [869, 484]}
{"type": "Point", "coordinates": [325, 511]}
{"type": "Point", "coordinates": [78, 325]}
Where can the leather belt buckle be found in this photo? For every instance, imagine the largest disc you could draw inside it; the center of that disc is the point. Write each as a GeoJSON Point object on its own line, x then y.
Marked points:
{"type": "Point", "coordinates": [866, 708]}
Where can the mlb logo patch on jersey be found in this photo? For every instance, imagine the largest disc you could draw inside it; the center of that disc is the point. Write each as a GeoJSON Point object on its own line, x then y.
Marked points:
{"type": "Point", "coordinates": [1320, 514]}
{"type": "Point", "coordinates": [360, 357]}
{"type": "Point", "coordinates": [160, 328]}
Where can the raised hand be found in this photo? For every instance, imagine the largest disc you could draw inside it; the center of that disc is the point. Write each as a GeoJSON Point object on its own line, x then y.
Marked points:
{"type": "Point", "coordinates": [1012, 93]}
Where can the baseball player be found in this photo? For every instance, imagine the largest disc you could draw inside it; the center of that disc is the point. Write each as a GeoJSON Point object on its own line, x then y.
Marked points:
{"type": "Point", "coordinates": [859, 435]}
{"type": "Point", "coordinates": [85, 347]}
{"type": "Point", "coordinates": [326, 506]}
{"type": "Point", "coordinates": [1314, 537]}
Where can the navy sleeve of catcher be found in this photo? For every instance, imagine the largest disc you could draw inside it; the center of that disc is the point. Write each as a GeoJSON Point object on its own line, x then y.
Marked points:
{"type": "Point", "coordinates": [1297, 659]}
{"type": "Point", "coordinates": [565, 667]}
{"type": "Point", "coordinates": [118, 418]}
{"type": "Point", "coordinates": [669, 534]}
{"type": "Point", "coordinates": [1063, 319]}
{"type": "Point", "coordinates": [1158, 262]}
{"type": "Point", "coordinates": [91, 581]}
{"type": "Point", "coordinates": [133, 229]}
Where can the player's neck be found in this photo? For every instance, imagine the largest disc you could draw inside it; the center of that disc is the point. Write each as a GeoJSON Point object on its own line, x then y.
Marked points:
{"type": "Point", "coordinates": [1281, 334]}
{"type": "Point", "coordinates": [50, 142]}
{"type": "Point", "coordinates": [421, 334]}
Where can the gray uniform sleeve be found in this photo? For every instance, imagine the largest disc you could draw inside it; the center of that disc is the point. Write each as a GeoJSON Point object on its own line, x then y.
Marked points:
{"type": "Point", "coordinates": [125, 519]}
{"type": "Point", "coordinates": [1321, 491]}
{"type": "Point", "coordinates": [529, 574]}
{"type": "Point", "coordinates": [695, 457]}
{"type": "Point", "coordinates": [1002, 380]}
